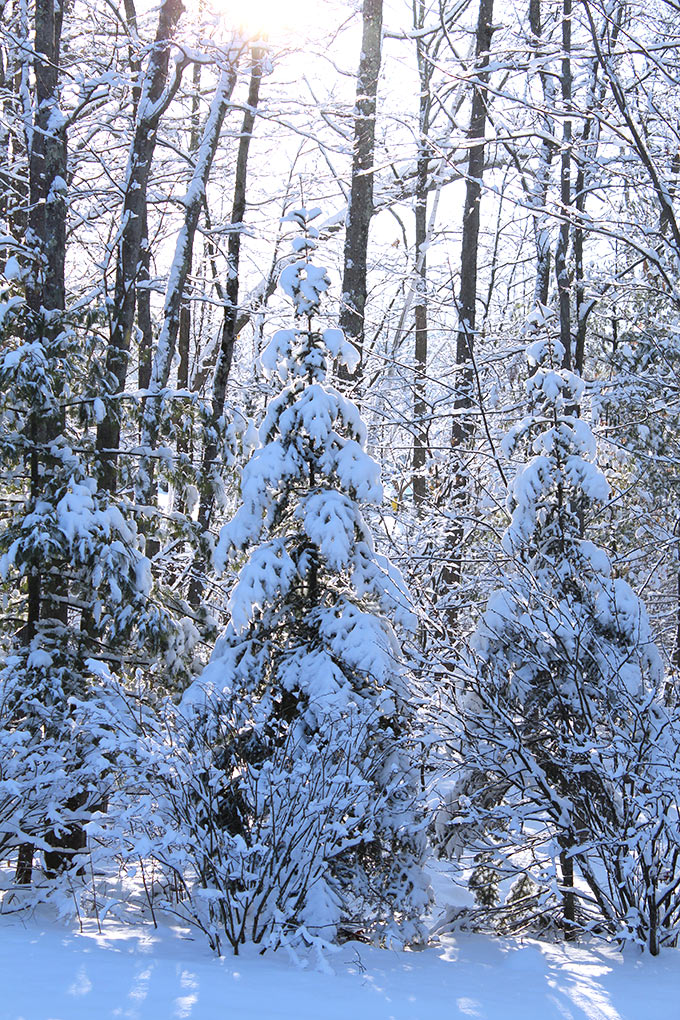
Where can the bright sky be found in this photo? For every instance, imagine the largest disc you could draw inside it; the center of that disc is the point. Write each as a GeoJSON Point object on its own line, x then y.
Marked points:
{"type": "Point", "coordinates": [269, 18]}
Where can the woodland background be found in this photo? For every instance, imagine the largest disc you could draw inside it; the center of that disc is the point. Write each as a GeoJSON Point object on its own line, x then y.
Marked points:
{"type": "Point", "coordinates": [496, 180]}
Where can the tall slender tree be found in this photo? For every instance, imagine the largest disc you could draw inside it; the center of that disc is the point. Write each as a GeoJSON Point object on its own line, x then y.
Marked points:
{"type": "Point", "coordinates": [360, 209]}
{"type": "Point", "coordinates": [463, 426]}
{"type": "Point", "coordinates": [158, 88]}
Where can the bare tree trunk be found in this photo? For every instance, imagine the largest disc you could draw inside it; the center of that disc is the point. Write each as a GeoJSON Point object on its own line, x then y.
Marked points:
{"type": "Point", "coordinates": [45, 287]}
{"type": "Point", "coordinates": [463, 427]}
{"type": "Point", "coordinates": [420, 430]}
{"type": "Point", "coordinates": [230, 322]}
{"type": "Point", "coordinates": [184, 337]}
{"type": "Point", "coordinates": [143, 293]}
{"type": "Point", "coordinates": [181, 264]}
{"type": "Point", "coordinates": [539, 197]}
{"type": "Point", "coordinates": [143, 299]}
{"type": "Point", "coordinates": [47, 166]}
{"type": "Point", "coordinates": [45, 293]}
{"type": "Point", "coordinates": [561, 270]}
{"type": "Point", "coordinates": [467, 300]}
{"type": "Point", "coordinates": [7, 125]}
{"type": "Point", "coordinates": [568, 895]}
{"type": "Point", "coordinates": [360, 210]}
{"type": "Point", "coordinates": [156, 94]}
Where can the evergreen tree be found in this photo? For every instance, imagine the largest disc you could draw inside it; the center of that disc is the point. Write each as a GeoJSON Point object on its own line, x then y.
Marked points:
{"type": "Point", "coordinates": [570, 755]}
{"type": "Point", "coordinates": [303, 818]}
{"type": "Point", "coordinates": [94, 600]}
{"type": "Point", "coordinates": [638, 407]}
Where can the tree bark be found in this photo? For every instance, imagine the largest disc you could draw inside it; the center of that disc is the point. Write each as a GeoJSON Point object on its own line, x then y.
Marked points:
{"type": "Point", "coordinates": [463, 427]}
{"type": "Point", "coordinates": [568, 895]}
{"type": "Point", "coordinates": [467, 300]}
{"type": "Point", "coordinates": [45, 295]}
{"type": "Point", "coordinates": [420, 430]}
{"type": "Point", "coordinates": [360, 212]}
{"type": "Point", "coordinates": [561, 270]}
{"type": "Point", "coordinates": [539, 197]}
{"type": "Point", "coordinates": [45, 287]}
{"type": "Point", "coordinates": [184, 337]}
{"type": "Point", "coordinates": [167, 342]}
{"type": "Point", "coordinates": [143, 294]}
{"type": "Point", "coordinates": [156, 95]}
{"type": "Point", "coordinates": [230, 323]}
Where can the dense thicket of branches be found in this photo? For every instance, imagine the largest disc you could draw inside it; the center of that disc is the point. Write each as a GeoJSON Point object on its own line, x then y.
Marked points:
{"type": "Point", "coordinates": [500, 229]}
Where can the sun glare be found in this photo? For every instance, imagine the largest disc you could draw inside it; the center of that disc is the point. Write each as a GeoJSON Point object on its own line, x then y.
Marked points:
{"type": "Point", "coordinates": [267, 18]}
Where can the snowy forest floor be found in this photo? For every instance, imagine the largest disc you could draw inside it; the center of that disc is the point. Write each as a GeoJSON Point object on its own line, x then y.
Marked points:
{"type": "Point", "coordinates": [49, 973]}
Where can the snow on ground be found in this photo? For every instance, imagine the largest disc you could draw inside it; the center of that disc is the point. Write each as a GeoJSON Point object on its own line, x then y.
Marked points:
{"type": "Point", "coordinates": [50, 974]}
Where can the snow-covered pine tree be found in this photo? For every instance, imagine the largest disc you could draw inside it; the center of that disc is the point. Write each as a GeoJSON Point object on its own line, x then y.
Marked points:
{"type": "Point", "coordinates": [637, 400]}
{"type": "Point", "coordinates": [75, 581]}
{"type": "Point", "coordinates": [75, 585]}
{"type": "Point", "coordinates": [301, 815]}
{"type": "Point", "coordinates": [569, 756]}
